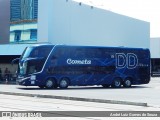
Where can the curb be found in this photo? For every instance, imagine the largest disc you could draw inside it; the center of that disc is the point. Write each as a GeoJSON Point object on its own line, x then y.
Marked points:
{"type": "Point", "coordinates": [77, 99]}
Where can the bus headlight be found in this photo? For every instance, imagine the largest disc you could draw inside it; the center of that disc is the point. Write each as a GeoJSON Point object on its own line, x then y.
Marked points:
{"type": "Point", "coordinates": [33, 77]}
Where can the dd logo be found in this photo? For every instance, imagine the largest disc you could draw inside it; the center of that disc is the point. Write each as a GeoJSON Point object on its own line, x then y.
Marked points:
{"type": "Point", "coordinates": [128, 60]}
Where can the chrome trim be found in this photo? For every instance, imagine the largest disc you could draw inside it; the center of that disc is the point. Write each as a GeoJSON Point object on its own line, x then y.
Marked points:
{"type": "Point", "coordinates": [45, 61]}
{"type": "Point", "coordinates": [21, 80]}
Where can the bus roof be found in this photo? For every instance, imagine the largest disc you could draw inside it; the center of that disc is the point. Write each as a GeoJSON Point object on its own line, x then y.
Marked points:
{"type": "Point", "coordinates": [81, 46]}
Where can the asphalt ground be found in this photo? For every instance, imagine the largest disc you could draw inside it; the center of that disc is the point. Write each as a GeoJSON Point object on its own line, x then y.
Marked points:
{"type": "Point", "coordinates": [141, 95]}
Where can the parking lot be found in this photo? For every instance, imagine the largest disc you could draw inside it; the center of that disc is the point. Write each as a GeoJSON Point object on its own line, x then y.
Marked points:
{"type": "Point", "coordinates": [146, 94]}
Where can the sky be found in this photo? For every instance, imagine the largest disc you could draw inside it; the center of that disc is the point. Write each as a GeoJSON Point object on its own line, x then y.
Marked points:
{"type": "Point", "coordinates": [146, 10]}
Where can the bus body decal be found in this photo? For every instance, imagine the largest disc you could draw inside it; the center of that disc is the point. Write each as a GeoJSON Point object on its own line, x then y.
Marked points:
{"type": "Point", "coordinates": [120, 60]}
{"type": "Point", "coordinates": [81, 62]}
{"type": "Point", "coordinates": [132, 63]}
{"type": "Point", "coordinates": [129, 60]}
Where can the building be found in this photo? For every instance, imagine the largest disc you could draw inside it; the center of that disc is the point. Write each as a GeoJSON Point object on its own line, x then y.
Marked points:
{"type": "Point", "coordinates": [69, 22]}
{"type": "Point", "coordinates": [9, 52]}
{"type": "Point", "coordinates": [23, 33]}
{"type": "Point", "coordinates": [18, 19]}
{"type": "Point", "coordinates": [23, 10]}
{"type": "Point", "coordinates": [155, 56]}
{"type": "Point", "coordinates": [72, 23]}
{"type": "Point", "coordinates": [15, 8]}
{"type": "Point", "coordinates": [23, 21]}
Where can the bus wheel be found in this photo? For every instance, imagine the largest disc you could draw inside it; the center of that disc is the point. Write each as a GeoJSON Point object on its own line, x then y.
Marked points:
{"type": "Point", "coordinates": [116, 83]}
{"type": "Point", "coordinates": [41, 86]}
{"type": "Point", "coordinates": [64, 82]}
{"type": "Point", "coordinates": [50, 83]}
{"type": "Point", "coordinates": [127, 82]}
{"type": "Point", "coordinates": [106, 85]}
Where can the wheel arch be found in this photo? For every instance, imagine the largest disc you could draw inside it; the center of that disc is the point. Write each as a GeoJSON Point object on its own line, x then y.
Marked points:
{"type": "Point", "coordinates": [121, 79]}
{"type": "Point", "coordinates": [129, 77]}
{"type": "Point", "coordinates": [51, 77]}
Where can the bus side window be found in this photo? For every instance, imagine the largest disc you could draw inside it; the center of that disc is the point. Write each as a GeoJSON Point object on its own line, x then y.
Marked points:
{"type": "Point", "coordinates": [53, 61]}
{"type": "Point", "coordinates": [90, 53]}
{"type": "Point", "coordinates": [79, 53]}
{"type": "Point", "coordinates": [34, 53]}
{"type": "Point", "coordinates": [107, 54]}
{"type": "Point", "coordinates": [99, 53]}
{"type": "Point", "coordinates": [52, 64]}
{"type": "Point", "coordinates": [94, 53]}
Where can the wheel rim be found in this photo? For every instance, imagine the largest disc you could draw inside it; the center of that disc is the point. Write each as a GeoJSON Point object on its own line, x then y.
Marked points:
{"type": "Point", "coordinates": [128, 83]}
{"type": "Point", "coordinates": [117, 83]}
{"type": "Point", "coordinates": [63, 83]}
{"type": "Point", "coordinates": [49, 84]}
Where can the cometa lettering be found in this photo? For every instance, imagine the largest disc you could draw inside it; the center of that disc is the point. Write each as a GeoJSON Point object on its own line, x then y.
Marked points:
{"type": "Point", "coordinates": [82, 62]}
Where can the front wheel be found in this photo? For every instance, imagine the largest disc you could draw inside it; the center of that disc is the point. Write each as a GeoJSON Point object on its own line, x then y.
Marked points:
{"type": "Point", "coordinates": [51, 83]}
{"type": "Point", "coordinates": [116, 83]}
{"type": "Point", "coordinates": [64, 82]}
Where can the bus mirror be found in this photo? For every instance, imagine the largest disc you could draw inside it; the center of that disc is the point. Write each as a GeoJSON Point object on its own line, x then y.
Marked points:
{"type": "Point", "coordinates": [15, 60]}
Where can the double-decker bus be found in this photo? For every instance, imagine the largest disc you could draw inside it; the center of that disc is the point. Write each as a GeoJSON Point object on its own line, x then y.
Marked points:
{"type": "Point", "coordinates": [52, 66]}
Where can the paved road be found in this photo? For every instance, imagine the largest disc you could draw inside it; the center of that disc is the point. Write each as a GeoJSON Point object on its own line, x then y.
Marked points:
{"type": "Point", "coordinates": [23, 103]}
{"type": "Point", "coordinates": [149, 93]}
{"type": "Point", "coordinates": [47, 105]}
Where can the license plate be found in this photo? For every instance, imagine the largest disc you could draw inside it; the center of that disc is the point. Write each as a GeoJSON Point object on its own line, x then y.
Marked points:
{"type": "Point", "coordinates": [32, 82]}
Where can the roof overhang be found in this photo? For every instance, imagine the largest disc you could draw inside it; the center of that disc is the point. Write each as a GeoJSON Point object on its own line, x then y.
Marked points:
{"type": "Point", "coordinates": [13, 49]}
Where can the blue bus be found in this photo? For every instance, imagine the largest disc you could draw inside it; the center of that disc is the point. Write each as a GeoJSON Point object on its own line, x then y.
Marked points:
{"type": "Point", "coordinates": [52, 66]}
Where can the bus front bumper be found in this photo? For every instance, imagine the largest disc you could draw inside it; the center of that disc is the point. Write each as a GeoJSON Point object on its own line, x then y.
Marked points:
{"type": "Point", "coordinates": [27, 81]}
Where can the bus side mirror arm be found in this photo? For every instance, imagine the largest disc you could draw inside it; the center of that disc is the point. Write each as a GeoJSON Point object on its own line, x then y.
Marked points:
{"type": "Point", "coordinates": [15, 60]}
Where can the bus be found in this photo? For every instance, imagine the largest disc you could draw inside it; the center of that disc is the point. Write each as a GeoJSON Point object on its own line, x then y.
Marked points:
{"type": "Point", "coordinates": [52, 66]}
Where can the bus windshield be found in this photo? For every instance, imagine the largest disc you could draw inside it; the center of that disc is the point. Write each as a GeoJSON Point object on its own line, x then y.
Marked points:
{"type": "Point", "coordinates": [34, 52]}
{"type": "Point", "coordinates": [33, 59]}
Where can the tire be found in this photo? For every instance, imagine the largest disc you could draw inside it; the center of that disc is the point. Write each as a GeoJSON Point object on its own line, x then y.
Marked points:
{"type": "Point", "coordinates": [106, 85]}
{"type": "Point", "coordinates": [127, 82]}
{"type": "Point", "coordinates": [64, 82]}
{"type": "Point", "coordinates": [116, 83]}
{"type": "Point", "coordinates": [51, 83]}
{"type": "Point", "coordinates": [41, 86]}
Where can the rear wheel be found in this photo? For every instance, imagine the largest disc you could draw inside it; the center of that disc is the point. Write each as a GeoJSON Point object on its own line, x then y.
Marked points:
{"type": "Point", "coordinates": [51, 83]}
{"type": "Point", "coordinates": [127, 82]}
{"type": "Point", "coordinates": [116, 83]}
{"type": "Point", "coordinates": [64, 82]}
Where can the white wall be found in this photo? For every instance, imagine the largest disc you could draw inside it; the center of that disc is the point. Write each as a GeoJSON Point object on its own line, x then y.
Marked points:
{"type": "Point", "coordinates": [62, 22]}
{"type": "Point", "coordinates": [155, 47]}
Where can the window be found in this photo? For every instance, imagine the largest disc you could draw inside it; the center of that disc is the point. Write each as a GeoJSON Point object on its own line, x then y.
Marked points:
{"type": "Point", "coordinates": [93, 52]}
{"type": "Point", "coordinates": [23, 16]}
{"type": "Point", "coordinates": [33, 35]}
{"type": "Point", "coordinates": [77, 70]}
{"type": "Point", "coordinates": [17, 36]}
